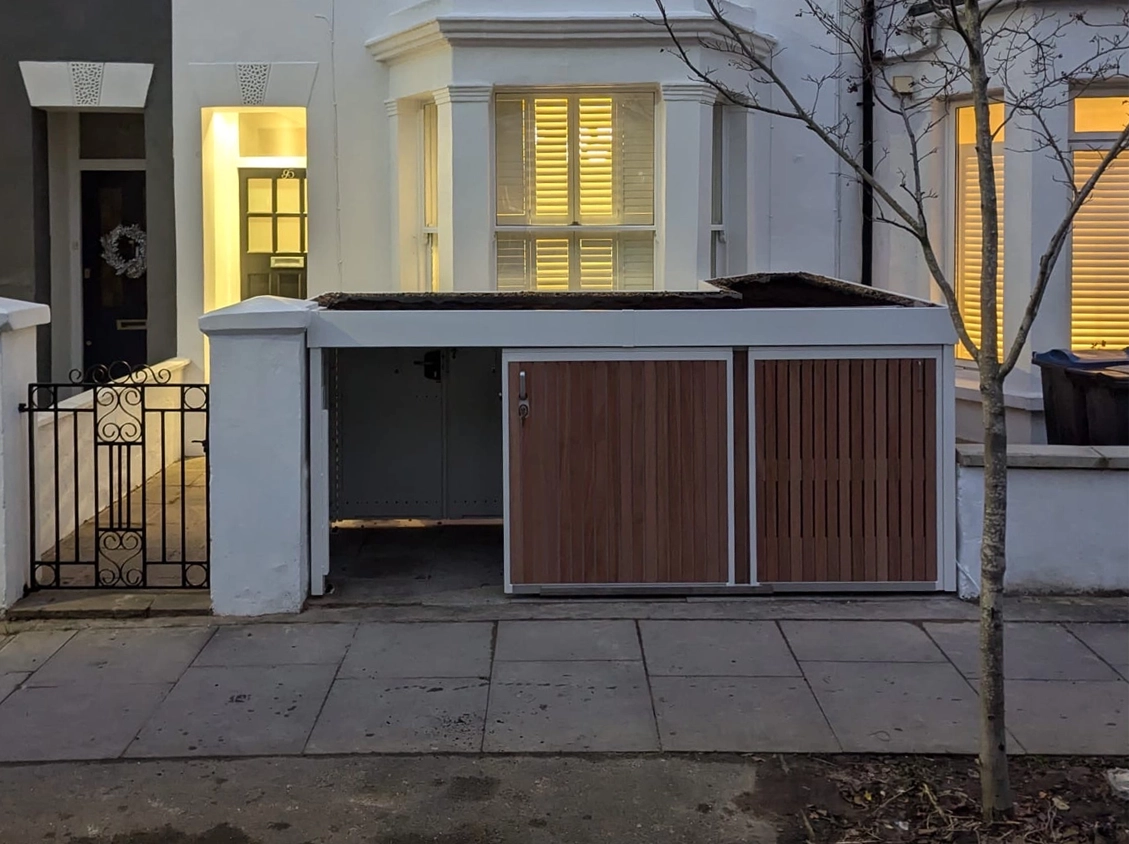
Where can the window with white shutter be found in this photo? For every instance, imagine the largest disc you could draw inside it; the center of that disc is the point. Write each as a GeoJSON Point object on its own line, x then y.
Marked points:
{"type": "Point", "coordinates": [969, 236]}
{"type": "Point", "coordinates": [1099, 260]}
{"type": "Point", "coordinates": [575, 190]}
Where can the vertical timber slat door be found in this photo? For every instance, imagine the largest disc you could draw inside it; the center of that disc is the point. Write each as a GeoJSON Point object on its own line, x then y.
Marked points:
{"type": "Point", "coordinates": [619, 473]}
{"type": "Point", "coordinates": [846, 470]}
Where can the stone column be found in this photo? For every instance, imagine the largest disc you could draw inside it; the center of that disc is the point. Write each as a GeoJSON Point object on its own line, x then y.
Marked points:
{"type": "Point", "coordinates": [258, 456]}
{"type": "Point", "coordinates": [18, 321]}
{"type": "Point", "coordinates": [466, 213]}
{"type": "Point", "coordinates": [683, 258]}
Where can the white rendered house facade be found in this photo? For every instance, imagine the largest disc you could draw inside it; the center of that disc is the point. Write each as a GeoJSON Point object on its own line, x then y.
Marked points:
{"type": "Point", "coordinates": [469, 145]}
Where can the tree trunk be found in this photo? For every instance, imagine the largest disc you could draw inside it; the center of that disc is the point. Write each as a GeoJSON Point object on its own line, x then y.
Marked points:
{"type": "Point", "coordinates": [994, 783]}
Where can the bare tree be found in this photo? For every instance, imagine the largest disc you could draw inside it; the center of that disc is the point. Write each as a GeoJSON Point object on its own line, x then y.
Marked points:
{"type": "Point", "coordinates": [985, 51]}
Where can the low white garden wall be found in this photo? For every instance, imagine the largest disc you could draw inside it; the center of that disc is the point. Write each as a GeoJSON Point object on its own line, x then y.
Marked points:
{"type": "Point", "coordinates": [1068, 519]}
{"type": "Point", "coordinates": [57, 442]}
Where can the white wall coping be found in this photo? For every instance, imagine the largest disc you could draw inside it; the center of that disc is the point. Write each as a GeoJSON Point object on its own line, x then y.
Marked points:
{"type": "Point", "coordinates": [85, 399]}
{"type": "Point", "coordinates": [16, 314]}
{"type": "Point", "coordinates": [971, 455]}
{"type": "Point", "coordinates": [554, 30]}
{"type": "Point", "coordinates": [261, 314]}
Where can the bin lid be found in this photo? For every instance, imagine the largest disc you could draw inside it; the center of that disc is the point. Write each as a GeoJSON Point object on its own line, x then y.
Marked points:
{"type": "Point", "coordinates": [1115, 377]}
{"type": "Point", "coordinates": [1082, 358]}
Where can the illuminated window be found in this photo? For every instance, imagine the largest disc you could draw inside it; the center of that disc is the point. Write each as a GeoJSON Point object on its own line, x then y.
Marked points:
{"type": "Point", "coordinates": [575, 190]}
{"type": "Point", "coordinates": [969, 237]}
{"type": "Point", "coordinates": [255, 203]}
{"type": "Point", "coordinates": [1099, 260]}
{"type": "Point", "coordinates": [430, 242]}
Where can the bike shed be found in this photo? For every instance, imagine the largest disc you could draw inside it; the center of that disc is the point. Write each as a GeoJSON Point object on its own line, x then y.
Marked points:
{"type": "Point", "coordinates": [772, 432]}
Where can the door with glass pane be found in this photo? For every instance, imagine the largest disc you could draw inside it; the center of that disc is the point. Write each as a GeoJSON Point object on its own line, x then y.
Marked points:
{"type": "Point", "coordinates": [274, 238]}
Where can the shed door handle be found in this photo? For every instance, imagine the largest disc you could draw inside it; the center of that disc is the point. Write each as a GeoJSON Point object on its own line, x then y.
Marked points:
{"type": "Point", "coordinates": [522, 397]}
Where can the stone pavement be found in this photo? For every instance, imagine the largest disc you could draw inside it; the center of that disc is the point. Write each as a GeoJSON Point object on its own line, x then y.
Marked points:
{"type": "Point", "coordinates": [347, 684]}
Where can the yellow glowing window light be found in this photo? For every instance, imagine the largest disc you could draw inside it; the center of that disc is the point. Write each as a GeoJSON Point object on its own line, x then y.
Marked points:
{"type": "Point", "coordinates": [969, 245]}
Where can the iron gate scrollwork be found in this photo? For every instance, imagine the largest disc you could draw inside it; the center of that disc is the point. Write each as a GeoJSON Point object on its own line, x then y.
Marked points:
{"type": "Point", "coordinates": [118, 470]}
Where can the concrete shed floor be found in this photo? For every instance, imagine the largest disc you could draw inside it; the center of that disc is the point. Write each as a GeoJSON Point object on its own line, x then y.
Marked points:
{"type": "Point", "coordinates": [440, 565]}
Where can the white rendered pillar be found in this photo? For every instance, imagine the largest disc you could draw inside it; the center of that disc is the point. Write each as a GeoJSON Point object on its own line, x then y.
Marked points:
{"type": "Point", "coordinates": [405, 181]}
{"type": "Point", "coordinates": [18, 321]}
{"type": "Point", "coordinates": [686, 194]}
{"type": "Point", "coordinates": [1035, 202]}
{"type": "Point", "coordinates": [258, 456]}
{"type": "Point", "coordinates": [466, 215]}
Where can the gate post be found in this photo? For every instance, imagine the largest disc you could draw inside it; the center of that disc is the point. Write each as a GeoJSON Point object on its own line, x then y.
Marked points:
{"type": "Point", "coordinates": [257, 456]}
{"type": "Point", "coordinates": [18, 321]}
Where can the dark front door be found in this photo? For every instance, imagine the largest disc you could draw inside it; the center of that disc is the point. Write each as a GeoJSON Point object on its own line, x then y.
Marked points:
{"type": "Point", "coordinates": [114, 299]}
{"type": "Point", "coordinates": [273, 210]}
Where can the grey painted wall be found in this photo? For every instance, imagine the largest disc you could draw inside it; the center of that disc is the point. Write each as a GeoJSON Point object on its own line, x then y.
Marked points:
{"type": "Point", "coordinates": [90, 30]}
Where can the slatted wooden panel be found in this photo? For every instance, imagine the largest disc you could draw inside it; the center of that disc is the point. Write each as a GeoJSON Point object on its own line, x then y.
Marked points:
{"type": "Point", "coordinates": [846, 471]}
{"type": "Point", "coordinates": [742, 538]}
{"type": "Point", "coordinates": [620, 473]}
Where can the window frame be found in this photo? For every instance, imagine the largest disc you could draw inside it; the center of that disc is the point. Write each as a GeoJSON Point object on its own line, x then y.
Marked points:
{"type": "Point", "coordinates": [427, 246]}
{"type": "Point", "coordinates": [1079, 141]}
{"type": "Point", "coordinates": [573, 231]}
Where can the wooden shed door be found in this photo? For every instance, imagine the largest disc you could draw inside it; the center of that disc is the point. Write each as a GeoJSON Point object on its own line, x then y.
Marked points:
{"type": "Point", "coordinates": [619, 473]}
{"type": "Point", "coordinates": [846, 470]}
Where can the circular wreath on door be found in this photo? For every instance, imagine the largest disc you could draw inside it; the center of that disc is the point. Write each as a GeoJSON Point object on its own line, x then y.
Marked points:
{"type": "Point", "coordinates": [123, 241]}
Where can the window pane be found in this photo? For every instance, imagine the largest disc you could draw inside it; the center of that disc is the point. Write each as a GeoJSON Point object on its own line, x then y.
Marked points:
{"type": "Point", "coordinates": [289, 234]}
{"type": "Point", "coordinates": [622, 261]}
{"type": "Point", "coordinates": [260, 234]}
{"type": "Point", "coordinates": [551, 258]}
{"type": "Point", "coordinates": [509, 141]}
{"type": "Point", "coordinates": [635, 117]}
{"type": "Point", "coordinates": [966, 123]}
{"type": "Point", "coordinates": [1099, 273]}
{"type": "Point", "coordinates": [1101, 114]}
{"type": "Point", "coordinates": [550, 160]}
{"type": "Point", "coordinates": [513, 263]}
{"type": "Point", "coordinates": [969, 246]}
{"type": "Point", "coordinates": [594, 154]}
{"type": "Point", "coordinates": [260, 199]}
{"type": "Point", "coordinates": [289, 196]}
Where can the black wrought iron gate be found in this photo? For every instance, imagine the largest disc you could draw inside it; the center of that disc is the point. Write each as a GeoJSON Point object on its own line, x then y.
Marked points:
{"type": "Point", "coordinates": [118, 470]}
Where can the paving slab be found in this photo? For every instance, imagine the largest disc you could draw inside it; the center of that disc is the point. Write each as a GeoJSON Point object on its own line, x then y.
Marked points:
{"type": "Point", "coordinates": [78, 721]}
{"type": "Point", "coordinates": [1109, 641]}
{"type": "Point", "coordinates": [237, 710]}
{"type": "Point", "coordinates": [1072, 717]}
{"type": "Point", "coordinates": [716, 648]}
{"type": "Point", "coordinates": [1031, 652]}
{"type": "Point", "coordinates": [277, 644]}
{"type": "Point", "coordinates": [10, 682]}
{"type": "Point", "coordinates": [28, 650]}
{"type": "Point", "coordinates": [406, 715]}
{"type": "Point", "coordinates": [859, 641]}
{"type": "Point", "coordinates": [569, 706]}
{"type": "Point", "coordinates": [896, 707]}
{"type": "Point", "coordinates": [549, 641]}
{"type": "Point", "coordinates": [740, 715]}
{"type": "Point", "coordinates": [419, 650]}
{"type": "Point", "coordinates": [123, 655]}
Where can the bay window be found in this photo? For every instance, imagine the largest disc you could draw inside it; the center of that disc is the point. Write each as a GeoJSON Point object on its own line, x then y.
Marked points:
{"type": "Point", "coordinates": [969, 236]}
{"type": "Point", "coordinates": [575, 190]}
{"type": "Point", "coordinates": [1099, 258]}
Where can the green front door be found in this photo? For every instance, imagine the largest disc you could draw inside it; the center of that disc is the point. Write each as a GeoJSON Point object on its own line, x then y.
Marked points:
{"type": "Point", "coordinates": [274, 238]}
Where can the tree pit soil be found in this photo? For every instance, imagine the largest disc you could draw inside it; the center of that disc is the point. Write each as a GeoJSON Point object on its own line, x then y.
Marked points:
{"type": "Point", "coordinates": [902, 799]}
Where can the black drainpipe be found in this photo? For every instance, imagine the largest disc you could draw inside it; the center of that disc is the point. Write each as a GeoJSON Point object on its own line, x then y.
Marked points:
{"type": "Point", "coordinates": [868, 141]}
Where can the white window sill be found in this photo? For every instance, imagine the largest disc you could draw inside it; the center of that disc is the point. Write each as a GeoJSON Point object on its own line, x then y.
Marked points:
{"type": "Point", "coordinates": [968, 389]}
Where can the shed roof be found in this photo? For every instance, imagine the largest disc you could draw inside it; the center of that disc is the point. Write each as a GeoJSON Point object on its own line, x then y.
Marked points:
{"type": "Point", "coordinates": [757, 290]}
